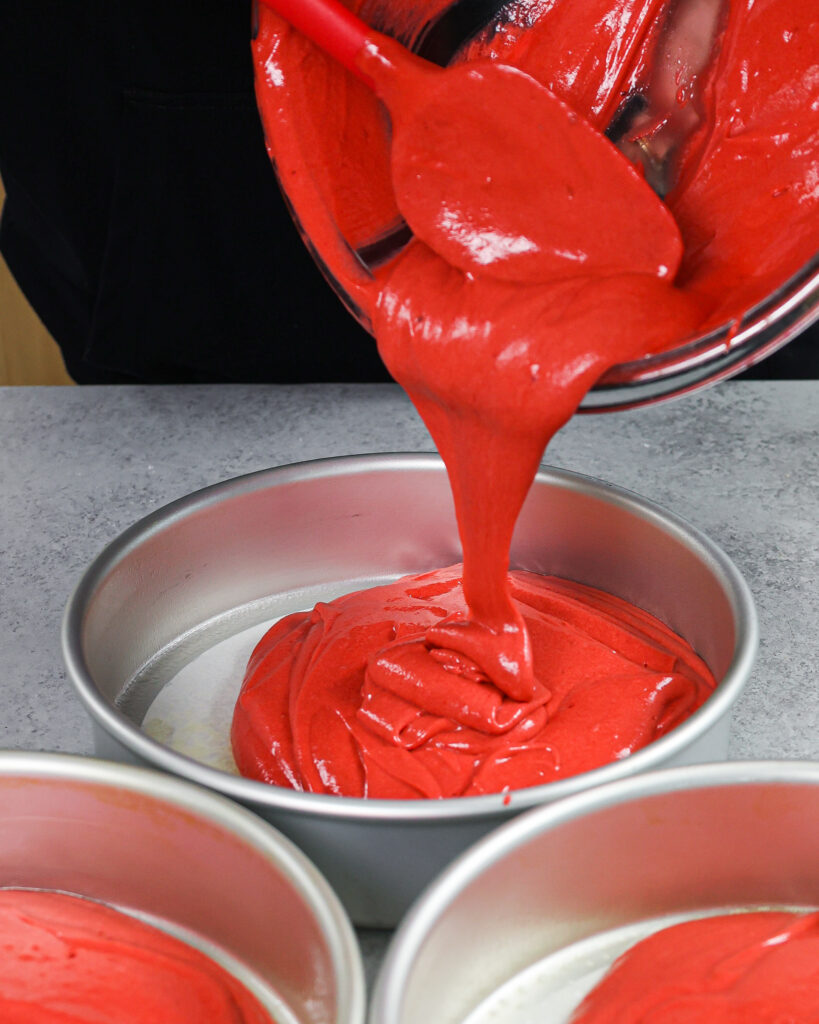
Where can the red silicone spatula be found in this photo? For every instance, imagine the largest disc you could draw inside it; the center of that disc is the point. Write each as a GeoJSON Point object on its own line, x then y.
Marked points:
{"type": "Point", "coordinates": [492, 170]}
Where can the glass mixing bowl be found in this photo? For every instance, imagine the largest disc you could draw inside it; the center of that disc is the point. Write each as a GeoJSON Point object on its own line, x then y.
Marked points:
{"type": "Point", "coordinates": [340, 171]}
{"type": "Point", "coordinates": [716, 355]}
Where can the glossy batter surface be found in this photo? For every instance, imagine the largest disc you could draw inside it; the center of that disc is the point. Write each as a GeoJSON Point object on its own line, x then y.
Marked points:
{"type": "Point", "coordinates": [500, 177]}
{"type": "Point", "coordinates": [735, 969]}
{"type": "Point", "coordinates": [67, 960]}
{"type": "Point", "coordinates": [716, 100]}
{"type": "Point", "coordinates": [364, 696]}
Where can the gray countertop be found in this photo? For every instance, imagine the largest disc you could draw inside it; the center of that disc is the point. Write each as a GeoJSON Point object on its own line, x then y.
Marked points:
{"type": "Point", "coordinates": [78, 465]}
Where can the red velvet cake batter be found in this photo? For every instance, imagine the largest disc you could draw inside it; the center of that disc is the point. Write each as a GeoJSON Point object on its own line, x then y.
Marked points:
{"type": "Point", "coordinates": [726, 94]}
{"type": "Point", "coordinates": [496, 362]}
{"type": "Point", "coordinates": [68, 960]}
{"type": "Point", "coordinates": [366, 696]}
{"type": "Point", "coordinates": [754, 968]}
{"type": "Point", "coordinates": [501, 178]}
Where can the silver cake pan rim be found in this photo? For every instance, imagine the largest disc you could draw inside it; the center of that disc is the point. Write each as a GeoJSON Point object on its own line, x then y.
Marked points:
{"type": "Point", "coordinates": [283, 855]}
{"type": "Point", "coordinates": [514, 834]}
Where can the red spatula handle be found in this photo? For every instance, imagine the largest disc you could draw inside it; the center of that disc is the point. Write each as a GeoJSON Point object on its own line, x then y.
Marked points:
{"type": "Point", "coordinates": [330, 25]}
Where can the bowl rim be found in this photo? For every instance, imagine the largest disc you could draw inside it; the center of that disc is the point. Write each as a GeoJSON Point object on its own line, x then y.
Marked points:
{"type": "Point", "coordinates": [363, 809]}
{"type": "Point", "coordinates": [717, 354]}
{"type": "Point", "coordinates": [251, 830]}
{"type": "Point", "coordinates": [512, 835]}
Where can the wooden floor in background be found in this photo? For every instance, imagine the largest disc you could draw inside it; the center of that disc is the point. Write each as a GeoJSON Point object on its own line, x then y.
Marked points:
{"type": "Point", "coordinates": [28, 353]}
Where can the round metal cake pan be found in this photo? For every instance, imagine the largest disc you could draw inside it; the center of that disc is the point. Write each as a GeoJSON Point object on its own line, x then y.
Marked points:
{"type": "Point", "coordinates": [188, 861]}
{"type": "Point", "coordinates": [283, 538]}
{"type": "Point", "coordinates": [541, 907]}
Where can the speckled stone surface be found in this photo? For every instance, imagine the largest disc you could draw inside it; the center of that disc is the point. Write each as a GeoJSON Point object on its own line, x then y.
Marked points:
{"type": "Point", "coordinates": [78, 465]}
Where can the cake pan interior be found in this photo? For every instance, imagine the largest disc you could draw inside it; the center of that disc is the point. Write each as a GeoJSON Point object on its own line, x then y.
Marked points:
{"type": "Point", "coordinates": [190, 863]}
{"type": "Point", "coordinates": [264, 545]}
{"type": "Point", "coordinates": [541, 908]}
{"type": "Point", "coordinates": [251, 550]}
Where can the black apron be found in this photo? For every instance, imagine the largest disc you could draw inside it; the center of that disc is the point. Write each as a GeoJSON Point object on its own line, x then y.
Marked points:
{"type": "Point", "coordinates": [143, 220]}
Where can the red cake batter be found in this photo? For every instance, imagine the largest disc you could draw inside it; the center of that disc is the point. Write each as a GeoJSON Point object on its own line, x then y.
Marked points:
{"type": "Point", "coordinates": [365, 696]}
{"type": "Point", "coordinates": [755, 968]}
{"type": "Point", "coordinates": [533, 218]}
{"type": "Point", "coordinates": [68, 960]}
{"type": "Point", "coordinates": [727, 124]}
{"type": "Point", "coordinates": [496, 366]}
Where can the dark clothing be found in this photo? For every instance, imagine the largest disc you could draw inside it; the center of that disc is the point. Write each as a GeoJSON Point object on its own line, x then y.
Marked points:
{"type": "Point", "coordinates": [143, 220]}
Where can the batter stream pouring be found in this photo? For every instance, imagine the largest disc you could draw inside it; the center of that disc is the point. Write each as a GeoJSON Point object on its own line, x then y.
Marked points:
{"type": "Point", "coordinates": [433, 686]}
